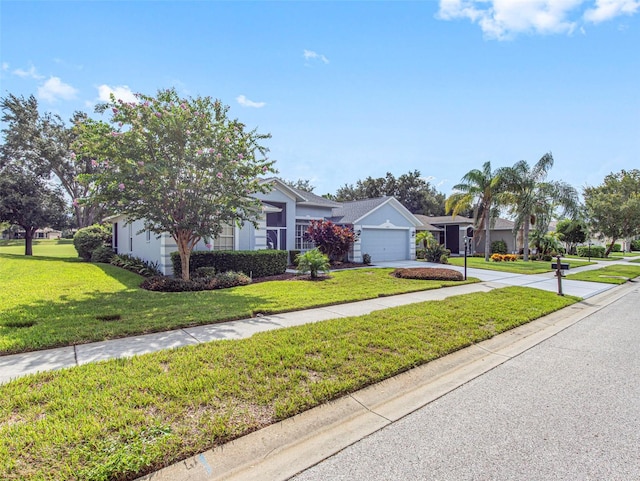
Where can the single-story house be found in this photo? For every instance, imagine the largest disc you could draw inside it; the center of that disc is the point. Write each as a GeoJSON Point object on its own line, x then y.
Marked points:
{"type": "Point", "coordinates": [385, 229]}
{"type": "Point", "coordinates": [451, 231]}
{"type": "Point", "coordinates": [46, 233]}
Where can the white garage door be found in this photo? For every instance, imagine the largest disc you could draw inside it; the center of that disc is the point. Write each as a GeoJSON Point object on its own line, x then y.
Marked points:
{"type": "Point", "coordinates": [385, 244]}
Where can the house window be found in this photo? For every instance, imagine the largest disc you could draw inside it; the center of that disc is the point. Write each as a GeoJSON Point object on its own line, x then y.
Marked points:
{"type": "Point", "coordinates": [301, 243]}
{"type": "Point", "coordinates": [147, 234]}
{"type": "Point", "coordinates": [224, 242]}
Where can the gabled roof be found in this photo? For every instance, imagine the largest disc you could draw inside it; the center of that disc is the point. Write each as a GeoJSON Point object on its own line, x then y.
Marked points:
{"type": "Point", "coordinates": [301, 197]}
{"type": "Point", "coordinates": [426, 223]}
{"type": "Point", "coordinates": [447, 220]}
{"type": "Point", "coordinates": [503, 224]}
{"type": "Point", "coordinates": [352, 212]}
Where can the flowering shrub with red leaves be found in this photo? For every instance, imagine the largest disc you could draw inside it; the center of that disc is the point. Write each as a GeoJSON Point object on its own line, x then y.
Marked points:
{"type": "Point", "coordinates": [332, 240]}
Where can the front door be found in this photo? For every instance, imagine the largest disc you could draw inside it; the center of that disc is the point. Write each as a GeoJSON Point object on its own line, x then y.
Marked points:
{"type": "Point", "coordinates": [452, 238]}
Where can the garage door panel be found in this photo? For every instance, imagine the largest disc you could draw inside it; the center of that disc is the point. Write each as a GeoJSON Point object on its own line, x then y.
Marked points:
{"type": "Point", "coordinates": [385, 245]}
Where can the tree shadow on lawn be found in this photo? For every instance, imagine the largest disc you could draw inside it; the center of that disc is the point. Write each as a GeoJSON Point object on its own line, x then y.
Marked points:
{"type": "Point", "coordinates": [37, 257]}
{"type": "Point", "coordinates": [100, 316]}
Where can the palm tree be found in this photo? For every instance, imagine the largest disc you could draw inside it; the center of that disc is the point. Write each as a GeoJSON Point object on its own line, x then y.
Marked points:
{"type": "Point", "coordinates": [480, 190]}
{"type": "Point", "coordinates": [529, 197]}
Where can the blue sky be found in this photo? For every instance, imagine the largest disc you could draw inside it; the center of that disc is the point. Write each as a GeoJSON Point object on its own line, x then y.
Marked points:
{"type": "Point", "coordinates": [356, 89]}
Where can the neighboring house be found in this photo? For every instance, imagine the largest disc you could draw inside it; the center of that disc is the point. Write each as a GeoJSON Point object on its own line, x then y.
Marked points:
{"type": "Point", "coordinates": [385, 228]}
{"type": "Point", "coordinates": [46, 233]}
{"type": "Point", "coordinates": [450, 231]}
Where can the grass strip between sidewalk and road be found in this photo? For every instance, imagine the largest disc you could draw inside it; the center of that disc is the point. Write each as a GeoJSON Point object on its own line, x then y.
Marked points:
{"type": "Point", "coordinates": [613, 274]}
{"type": "Point", "coordinates": [51, 302]}
{"type": "Point", "coordinates": [516, 267]}
{"type": "Point", "coordinates": [123, 418]}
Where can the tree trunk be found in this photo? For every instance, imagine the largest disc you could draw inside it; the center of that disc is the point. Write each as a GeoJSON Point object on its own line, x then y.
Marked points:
{"type": "Point", "coordinates": [487, 241]}
{"type": "Point", "coordinates": [526, 241]}
{"type": "Point", "coordinates": [28, 241]}
{"type": "Point", "coordinates": [185, 244]}
{"type": "Point", "coordinates": [610, 248]}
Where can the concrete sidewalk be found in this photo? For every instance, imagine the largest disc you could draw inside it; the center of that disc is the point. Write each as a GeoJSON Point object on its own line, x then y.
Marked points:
{"type": "Point", "coordinates": [17, 365]}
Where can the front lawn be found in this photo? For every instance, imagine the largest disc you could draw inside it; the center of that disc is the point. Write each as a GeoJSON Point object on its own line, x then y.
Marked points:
{"type": "Point", "coordinates": [612, 274]}
{"type": "Point", "coordinates": [49, 302]}
{"type": "Point", "coordinates": [517, 267]}
{"type": "Point", "coordinates": [62, 248]}
{"type": "Point", "coordinates": [123, 418]}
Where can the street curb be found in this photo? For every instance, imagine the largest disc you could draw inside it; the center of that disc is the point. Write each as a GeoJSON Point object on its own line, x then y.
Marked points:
{"type": "Point", "coordinates": [286, 448]}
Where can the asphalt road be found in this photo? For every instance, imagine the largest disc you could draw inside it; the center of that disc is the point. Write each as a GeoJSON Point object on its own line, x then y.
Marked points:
{"type": "Point", "coordinates": [566, 409]}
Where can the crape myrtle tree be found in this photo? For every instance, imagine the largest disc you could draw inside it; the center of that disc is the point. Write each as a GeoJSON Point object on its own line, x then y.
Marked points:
{"type": "Point", "coordinates": [180, 165]}
{"type": "Point", "coordinates": [28, 201]}
{"type": "Point", "coordinates": [613, 208]}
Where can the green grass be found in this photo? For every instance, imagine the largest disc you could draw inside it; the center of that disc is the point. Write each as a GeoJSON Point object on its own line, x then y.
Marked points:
{"type": "Point", "coordinates": [606, 259]}
{"type": "Point", "coordinates": [62, 248]}
{"type": "Point", "coordinates": [635, 260]}
{"type": "Point", "coordinates": [55, 301]}
{"type": "Point", "coordinates": [518, 267]}
{"type": "Point", "coordinates": [625, 254]}
{"type": "Point", "coordinates": [123, 418]}
{"type": "Point", "coordinates": [613, 274]}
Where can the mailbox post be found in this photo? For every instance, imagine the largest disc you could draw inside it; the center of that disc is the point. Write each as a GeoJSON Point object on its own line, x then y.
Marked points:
{"type": "Point", "coordinates": [559, 267]}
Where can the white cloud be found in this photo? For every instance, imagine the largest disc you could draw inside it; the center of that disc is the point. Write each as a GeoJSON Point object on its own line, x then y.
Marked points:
{"type": "Point", "coordinates": [504, 19]}
{"type": "Point", "coordinates": [31, 73]}
{"type": "Point", "coordinates": [5, 66]}
{"type": "Point", "coordinates": [55, 89]}
{"type": "Point", "coordinates": [120, 92]}
{"type": "Point", "coordinates": [607, 9]}
{"type": "Point", "coordinates": [311, 55]}
{"type": "Point", "coordinates": [245, 102]}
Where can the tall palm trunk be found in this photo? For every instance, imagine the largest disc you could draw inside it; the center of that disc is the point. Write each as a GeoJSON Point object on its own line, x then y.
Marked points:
{"type": "Point", "coordinates": [487, 240]}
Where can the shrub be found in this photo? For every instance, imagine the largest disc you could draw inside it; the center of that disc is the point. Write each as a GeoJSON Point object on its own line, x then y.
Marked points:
{"type": "Point", "coordinates": [312, 262]}
{"type": "Point", "coordinates": [615, 248]}
{"type": "Point", "coordinates": [293, 257]}
{"type": "Point", "coordinates": [499, 247]}
{"type": "Point", "coordinates": [366, 259]}
{"type": "Point", "coordinates": [421, 253]}
{"type": "Point", "coordinates": [635, 245]}
{"type": "Point", "coordinates": [596, 251]}
{"type": "Point", "coordinates": [209, 272]}
{"type": "Point", "coordinates": [88, 239]}
{"type": "Point", "coordinates": [332, 240]}
{"type": "Point", "coordinates": [224, 280]}
{"type": "Point", "coordinates": [428, 274]}
{"type": "Point", "coordinates": [137, 265]}
{"type": "Point", "coordinates": [261, 263]}
{"type": "Point", "coordinates": [102, 254]}
{"type": "Point", "coordinates": [504, 257]}
{"type": "Point", "coordinates": [173, 284]}
{"type": "Point", "coordinates": [434, 253]}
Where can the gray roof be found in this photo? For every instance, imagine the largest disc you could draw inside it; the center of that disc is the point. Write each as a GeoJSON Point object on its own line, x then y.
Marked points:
{"type": "Point", "coordinates": [426, 223]}
{"type": "Point", "coordinates": [503, 224]}
{"type": "Point", "coordinates": [304, 197]}
{"type": "Point", "coordinates": [445, 219]}
{"type": "Point", "coordinates": [349, 212]}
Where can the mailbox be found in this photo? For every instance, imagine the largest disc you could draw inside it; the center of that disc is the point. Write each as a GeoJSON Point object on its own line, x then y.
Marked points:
{"type": "Point", "coordinates": [563, 267]}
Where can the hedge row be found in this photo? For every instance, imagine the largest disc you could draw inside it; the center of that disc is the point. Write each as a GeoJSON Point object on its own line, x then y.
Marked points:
{"type": "Point", "coordinates": [260, 263]}
{"type": "Point", "coordinates": [593, 251]}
